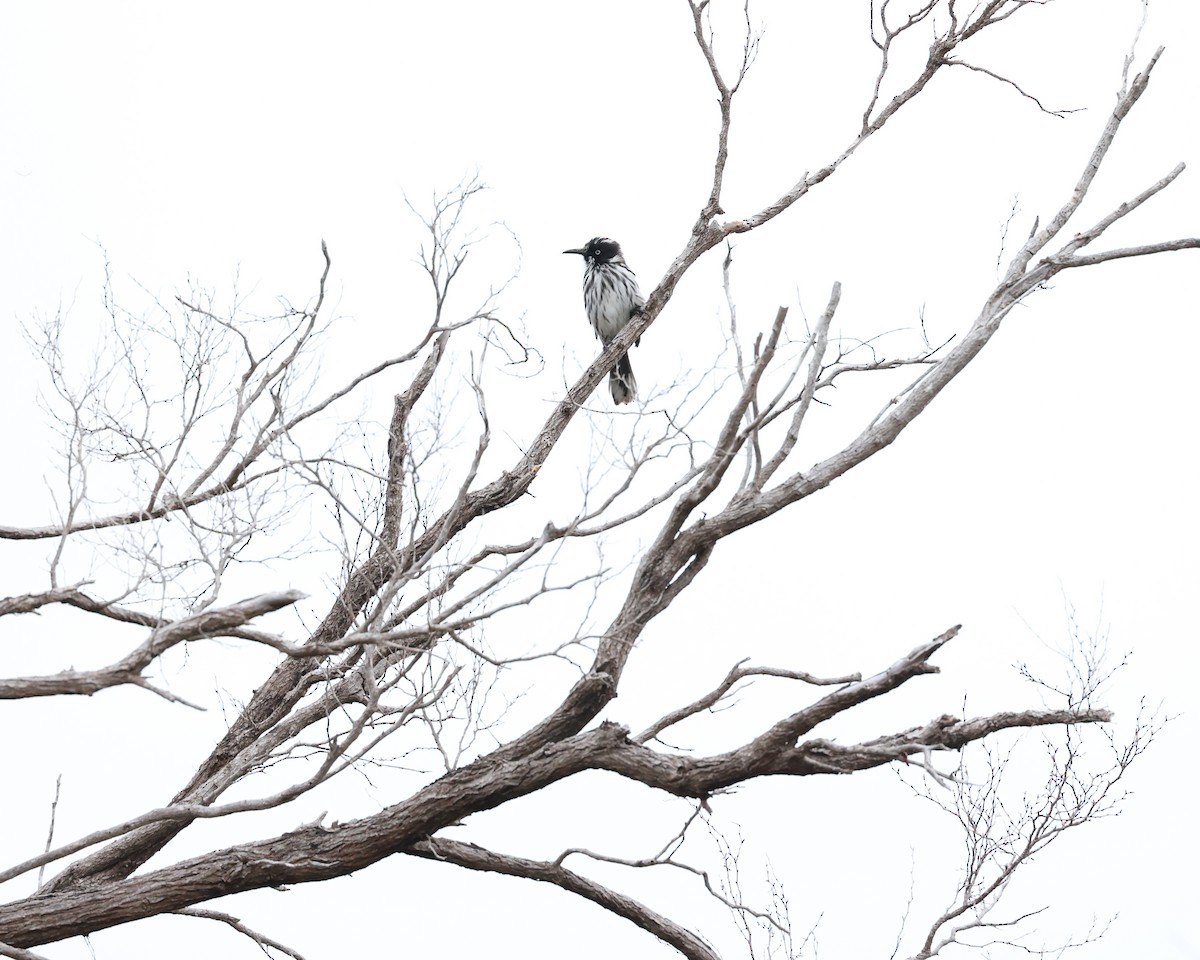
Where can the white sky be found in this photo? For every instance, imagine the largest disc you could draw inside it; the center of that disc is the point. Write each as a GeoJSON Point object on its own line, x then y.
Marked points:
{"type": "Point", "coordinates": [230, 139]}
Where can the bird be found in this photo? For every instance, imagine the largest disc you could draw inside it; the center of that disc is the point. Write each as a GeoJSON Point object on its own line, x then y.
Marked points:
{"type": "Point", "coordinates": [611, 298]}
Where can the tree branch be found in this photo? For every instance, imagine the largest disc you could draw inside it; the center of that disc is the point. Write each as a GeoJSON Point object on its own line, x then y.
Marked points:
{"type": "Point", "coordinates": [477, 858]}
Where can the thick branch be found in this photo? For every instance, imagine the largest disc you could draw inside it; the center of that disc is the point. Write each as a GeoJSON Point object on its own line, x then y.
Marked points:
{"type": "Point", "coordinates": [477, 858]}
{"type": "Point", "coordinates": [316, 853]}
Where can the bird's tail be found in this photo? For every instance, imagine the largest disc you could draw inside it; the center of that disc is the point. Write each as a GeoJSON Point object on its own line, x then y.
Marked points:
{"type": "Point", "coordinates": [621, 381]}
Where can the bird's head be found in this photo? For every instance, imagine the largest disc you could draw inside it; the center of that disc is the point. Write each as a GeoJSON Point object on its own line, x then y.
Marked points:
{"type": "Point", "coordinates": [600, 250]}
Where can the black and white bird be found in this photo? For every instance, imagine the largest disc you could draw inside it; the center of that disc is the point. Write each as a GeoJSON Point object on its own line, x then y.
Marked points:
{"type": "Point", "coordinates": [611, 298]}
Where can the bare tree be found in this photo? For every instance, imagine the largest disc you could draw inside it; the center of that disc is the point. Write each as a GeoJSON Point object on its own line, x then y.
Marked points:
{"type": "Point", "coordinates": [445, 571]}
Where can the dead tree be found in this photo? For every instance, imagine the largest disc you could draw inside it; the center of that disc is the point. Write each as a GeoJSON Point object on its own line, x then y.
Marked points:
{"type": "Point", "coordinates": [440, 550]}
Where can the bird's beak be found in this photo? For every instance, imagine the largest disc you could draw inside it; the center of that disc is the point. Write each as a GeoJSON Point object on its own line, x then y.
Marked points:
{"type": "Point", "coordinates": [580, 252]}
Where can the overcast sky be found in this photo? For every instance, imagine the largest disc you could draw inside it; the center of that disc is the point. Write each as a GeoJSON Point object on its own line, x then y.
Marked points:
{"type": "Point", "coordinates": [226, 140]}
